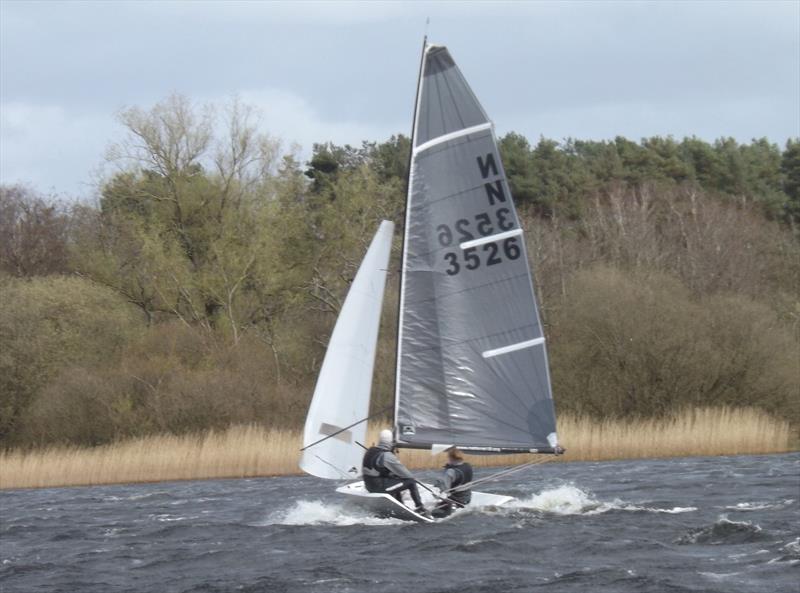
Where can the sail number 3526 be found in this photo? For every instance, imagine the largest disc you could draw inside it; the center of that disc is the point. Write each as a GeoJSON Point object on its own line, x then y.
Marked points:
{"type": "Point", "coordinates": [490, 253]}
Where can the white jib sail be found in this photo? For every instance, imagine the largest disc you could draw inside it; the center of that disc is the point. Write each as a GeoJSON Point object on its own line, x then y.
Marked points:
{"type": "Point", "coordinates": [342, 394]}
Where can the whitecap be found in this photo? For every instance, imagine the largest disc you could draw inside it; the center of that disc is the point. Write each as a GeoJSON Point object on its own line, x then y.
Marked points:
{"type": "Point", "coordinates": [791, 553]}
{"type": "Point", "coordinates": [316, 512]}
{"type": "Point", "coordinates": [564, 500]}
{"type": "Point", "coordinates": [760, 506]}
{"type": "Point", "coordinates": [719, 576]}
{"type": "Point", "coordinates": [793, 546]}
{"type": "Point", "coordinates": [672, 511]}
{"type": "Point", "coordinates": [571, 500]}
{"type": "Point", "coordinates": [167, 518]}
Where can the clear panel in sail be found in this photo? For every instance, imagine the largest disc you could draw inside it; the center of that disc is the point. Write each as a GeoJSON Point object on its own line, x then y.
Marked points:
{"type": "Point", "coordinates": [342, 394]}
{"type": "Point", "coordinates": [472, 364]}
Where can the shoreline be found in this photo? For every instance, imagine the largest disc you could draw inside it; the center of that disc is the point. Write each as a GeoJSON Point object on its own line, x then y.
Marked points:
{"type": "Point", "coordinates": [256, 452]}
{"type": "Point", "coordinates": [299, 473]}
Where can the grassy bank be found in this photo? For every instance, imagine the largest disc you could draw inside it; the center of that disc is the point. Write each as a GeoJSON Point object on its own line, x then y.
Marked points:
{"type": "Point", "coordinates": [248, 451]}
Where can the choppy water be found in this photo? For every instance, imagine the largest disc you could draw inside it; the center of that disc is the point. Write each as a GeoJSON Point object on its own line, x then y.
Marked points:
{"type": "Point", "coordinates": [703, 524]}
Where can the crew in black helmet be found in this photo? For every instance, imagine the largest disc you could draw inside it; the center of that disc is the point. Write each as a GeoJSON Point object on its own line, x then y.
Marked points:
{"type": "Point", "coordinates": [453, 485]}
{"type": "Point", "coordinates": [383, 472]}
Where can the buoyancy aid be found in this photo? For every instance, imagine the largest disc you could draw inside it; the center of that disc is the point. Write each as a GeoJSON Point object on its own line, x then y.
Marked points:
{"type": "Point", "coordinates": [373, 472]}
{"type": "Point", "coordinates": [463, 473]}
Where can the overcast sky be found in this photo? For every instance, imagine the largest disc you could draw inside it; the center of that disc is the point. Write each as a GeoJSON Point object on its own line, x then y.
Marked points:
{"type": "Point", "coordinates": [346, 71]}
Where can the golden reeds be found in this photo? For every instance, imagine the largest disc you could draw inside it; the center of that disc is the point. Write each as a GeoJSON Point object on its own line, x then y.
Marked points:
{"type": "Point", "coordinates": [248, 451]}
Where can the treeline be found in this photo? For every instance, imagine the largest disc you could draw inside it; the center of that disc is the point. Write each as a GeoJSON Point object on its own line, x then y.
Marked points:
{"type": "Point", "coordinates": [558, 177]}
{"type": "Point", "coordinates": [201, 287]}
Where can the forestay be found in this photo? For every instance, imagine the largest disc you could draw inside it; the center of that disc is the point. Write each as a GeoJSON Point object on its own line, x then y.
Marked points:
{"type": "Point", "coordinates": [472, 365]}
{"type": "Point", "coordinates": [342, 394]}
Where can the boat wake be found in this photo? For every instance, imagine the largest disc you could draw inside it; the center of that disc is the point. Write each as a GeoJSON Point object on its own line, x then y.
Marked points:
{"type": "Point", "coordinates": [563, 500]}
{"type": "Point", "coordinates": [317, 512]}
{"type": "Point", "coordinates": [571, 500]}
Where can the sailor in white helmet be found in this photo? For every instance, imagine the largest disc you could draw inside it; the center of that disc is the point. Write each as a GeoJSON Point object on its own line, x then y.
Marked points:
{"type": "Point", "coordinates": [383, 472]}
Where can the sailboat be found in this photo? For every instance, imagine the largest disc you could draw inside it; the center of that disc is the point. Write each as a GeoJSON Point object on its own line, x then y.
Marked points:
{"type": "Point", "coordinates": [471, 366]}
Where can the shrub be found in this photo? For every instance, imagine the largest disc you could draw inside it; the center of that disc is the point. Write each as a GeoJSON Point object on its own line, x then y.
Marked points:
{"type": "Point", "coordinates": [48, 324]}
{"type": "Point", "coordinates": [637, 344]}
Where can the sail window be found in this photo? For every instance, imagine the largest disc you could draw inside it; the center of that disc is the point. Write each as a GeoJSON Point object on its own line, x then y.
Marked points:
{"type": "Point", "coordinates": [513, 347]}
{"type": "Point", "coordinates": [336, 432]}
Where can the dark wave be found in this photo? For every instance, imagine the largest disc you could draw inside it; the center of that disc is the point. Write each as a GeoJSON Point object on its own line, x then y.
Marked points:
{"type": "Point", "coordinates": [724, 531]}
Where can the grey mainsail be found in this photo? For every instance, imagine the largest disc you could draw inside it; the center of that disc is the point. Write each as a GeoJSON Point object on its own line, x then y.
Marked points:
{"type": "Point", "coordinates": [471, 364]}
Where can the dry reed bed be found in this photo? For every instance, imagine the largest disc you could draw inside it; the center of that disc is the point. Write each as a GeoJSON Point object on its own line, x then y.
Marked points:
{"type": "Point", "coordinates": [249, 451]}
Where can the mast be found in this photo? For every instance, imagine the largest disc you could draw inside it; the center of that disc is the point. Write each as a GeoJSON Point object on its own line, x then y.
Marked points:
{"type": "Point", "coordinates": [405, 230]}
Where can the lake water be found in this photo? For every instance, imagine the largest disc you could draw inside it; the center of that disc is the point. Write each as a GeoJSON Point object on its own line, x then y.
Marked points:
{"type": "Point", "coordinates": [726, 524]}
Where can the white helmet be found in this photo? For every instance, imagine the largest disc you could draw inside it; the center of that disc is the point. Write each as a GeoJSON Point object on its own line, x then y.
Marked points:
{"type": "Point", "coordinates": [386, 437]}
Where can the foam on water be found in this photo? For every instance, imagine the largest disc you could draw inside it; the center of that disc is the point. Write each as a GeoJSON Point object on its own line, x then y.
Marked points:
{"type": "Point", "coordinates": [571, 500]}
{"type": "Point", "coordinates": [790, 553]}
{"type": "Point", "coordinates": [760, 506]}
{"type": "Point", "coordinates": [168, 518]}
{"type": "Point", "coordinates": [316, 512]}
{"type": "Point", "coordinates": [719, 577]}
{"type": "Point", "coordinates": [564, 500]}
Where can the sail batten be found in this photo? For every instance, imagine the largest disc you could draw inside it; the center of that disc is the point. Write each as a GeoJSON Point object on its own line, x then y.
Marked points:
{"type": "Point", "coordinates": [472, 363]}
{"type": "Point", "coordinates": [513, 347]}
{"type": "Point", "coordinates": [451, 136]}
{"type": "Point", "coordinates": [491, 238]}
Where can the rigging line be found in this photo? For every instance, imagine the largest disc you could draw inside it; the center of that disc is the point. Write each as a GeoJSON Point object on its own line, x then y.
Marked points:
{"type": "Point", "coordinates": [341, 430]}
{"type": "Point", "coordinates": [497, 475]}
{"type": "Point", "coordinates": [500, 474]}
{"type": "Point", "coordinates": [460, 505]}
{"type": "Point", "coordinates": [345, 474]}
{"type": "Point", "coordinates": [346, 477]}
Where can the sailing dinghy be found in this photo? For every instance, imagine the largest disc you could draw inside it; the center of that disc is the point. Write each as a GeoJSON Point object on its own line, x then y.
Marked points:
{"type": "Point", "coordinates": [471, 367]}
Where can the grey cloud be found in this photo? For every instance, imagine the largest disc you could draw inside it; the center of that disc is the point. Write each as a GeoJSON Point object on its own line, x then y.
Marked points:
{"type": "Point", "coordinates": [588, 70]}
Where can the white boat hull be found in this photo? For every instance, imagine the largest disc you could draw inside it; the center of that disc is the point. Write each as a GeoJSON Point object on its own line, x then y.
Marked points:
{"type": "Point", "coordinates": [385, 505]}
